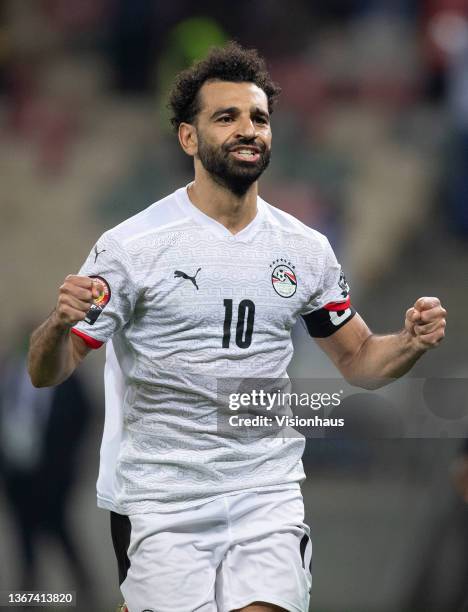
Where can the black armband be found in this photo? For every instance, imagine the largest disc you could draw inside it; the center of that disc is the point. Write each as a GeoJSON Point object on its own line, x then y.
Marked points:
{"type": "Point", "coordinates": [330, 318]}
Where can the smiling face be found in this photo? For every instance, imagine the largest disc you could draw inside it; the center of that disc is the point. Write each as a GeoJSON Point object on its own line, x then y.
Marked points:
{"type": "Point", "coordinates": [231, 136]}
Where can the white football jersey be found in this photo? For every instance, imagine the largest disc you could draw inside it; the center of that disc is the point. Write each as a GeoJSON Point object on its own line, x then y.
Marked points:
{"type": "Point", "coordinates": [187, 304]}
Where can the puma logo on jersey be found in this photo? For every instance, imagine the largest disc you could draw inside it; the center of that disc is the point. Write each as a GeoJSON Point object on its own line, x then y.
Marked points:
{"type": "Point", "coordinates": [97, 253]}
{"type": "Point", "coordinates": [179, 274]}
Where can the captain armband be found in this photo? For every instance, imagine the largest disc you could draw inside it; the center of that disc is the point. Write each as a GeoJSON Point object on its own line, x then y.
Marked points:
{"type": "Point", "coordinates": [330, 318]}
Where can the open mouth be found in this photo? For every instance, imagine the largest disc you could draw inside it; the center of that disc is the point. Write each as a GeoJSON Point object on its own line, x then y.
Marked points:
{"type": "Point", "coordinates": [247, 155]}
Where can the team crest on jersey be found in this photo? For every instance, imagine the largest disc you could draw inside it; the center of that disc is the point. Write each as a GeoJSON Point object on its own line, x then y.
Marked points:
{"type": "Point", "coordinates": [283, 278]}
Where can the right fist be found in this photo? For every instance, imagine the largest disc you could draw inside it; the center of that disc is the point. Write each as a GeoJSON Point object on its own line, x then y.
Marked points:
{"type": "Point", "coordinates": [75, 298]}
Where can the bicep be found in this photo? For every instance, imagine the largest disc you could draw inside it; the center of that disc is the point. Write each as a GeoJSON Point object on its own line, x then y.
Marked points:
{"type": "Point", "coordinates": [342, 346]}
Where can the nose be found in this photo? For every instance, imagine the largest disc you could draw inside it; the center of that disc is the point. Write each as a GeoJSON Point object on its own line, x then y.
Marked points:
{"type": "Point", "coordinates": [246, 128]}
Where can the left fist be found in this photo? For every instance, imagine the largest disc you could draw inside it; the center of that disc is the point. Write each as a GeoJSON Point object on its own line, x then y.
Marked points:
{"type": "Point", "coordinates": [426, 322]}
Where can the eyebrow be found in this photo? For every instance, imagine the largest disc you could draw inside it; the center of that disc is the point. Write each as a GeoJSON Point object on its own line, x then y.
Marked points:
{"type": "Point", "coordinates": [233, 110]}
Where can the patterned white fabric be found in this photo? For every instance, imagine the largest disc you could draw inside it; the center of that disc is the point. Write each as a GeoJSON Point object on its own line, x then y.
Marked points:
{"type": "Point", "coordinates": [191, 304]}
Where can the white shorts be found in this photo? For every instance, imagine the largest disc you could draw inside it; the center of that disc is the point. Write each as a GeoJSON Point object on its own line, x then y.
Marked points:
{"type": "Point", "coordinates": [222, 555]}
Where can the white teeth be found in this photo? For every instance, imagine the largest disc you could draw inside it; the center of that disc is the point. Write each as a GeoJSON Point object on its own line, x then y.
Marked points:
{"type": "Point", "coordinates": [246, 152]}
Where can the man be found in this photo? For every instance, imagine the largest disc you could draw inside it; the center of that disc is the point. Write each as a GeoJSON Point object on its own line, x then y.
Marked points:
{"type": "Point", "coordinates": [204, 285]}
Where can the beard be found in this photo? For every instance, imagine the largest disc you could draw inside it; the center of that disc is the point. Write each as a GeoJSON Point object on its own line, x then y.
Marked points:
{"type": "Point", "coordinates": [233, 174]}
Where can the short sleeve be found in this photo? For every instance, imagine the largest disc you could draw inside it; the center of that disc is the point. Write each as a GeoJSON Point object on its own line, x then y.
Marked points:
{"type": "Point", "coordinates": [109, 263]}
{"type": "Point", "coordinates": [330, 306]}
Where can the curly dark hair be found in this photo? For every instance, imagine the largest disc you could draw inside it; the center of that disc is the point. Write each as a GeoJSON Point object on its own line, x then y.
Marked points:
{"type": "Point", "coordinates": [229, 63]}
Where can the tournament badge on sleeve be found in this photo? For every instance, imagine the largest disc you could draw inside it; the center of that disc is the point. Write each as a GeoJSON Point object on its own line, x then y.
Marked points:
{"type": "Point", "coordinates": [99, 303]}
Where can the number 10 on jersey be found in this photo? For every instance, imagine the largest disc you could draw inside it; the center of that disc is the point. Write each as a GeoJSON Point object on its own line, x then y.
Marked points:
{"type": "Point", "coordinates": [244, 325]}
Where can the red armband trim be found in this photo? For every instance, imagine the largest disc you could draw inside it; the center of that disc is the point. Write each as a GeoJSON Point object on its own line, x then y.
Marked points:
{"type": "Point", "coordinates": [91, 342]}
{"type": "Point", "coordinates": [337, 306]}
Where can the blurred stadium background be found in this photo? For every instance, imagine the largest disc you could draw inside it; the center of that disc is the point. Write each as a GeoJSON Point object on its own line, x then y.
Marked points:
{"type": "Point", "coordinates": [370, 147]}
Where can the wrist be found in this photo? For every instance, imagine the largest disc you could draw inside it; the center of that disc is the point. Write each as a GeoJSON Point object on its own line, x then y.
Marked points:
{"type": "Point", "coordinates": [412, 343]}
{"type": "Point", "coordinates": [58, 325]}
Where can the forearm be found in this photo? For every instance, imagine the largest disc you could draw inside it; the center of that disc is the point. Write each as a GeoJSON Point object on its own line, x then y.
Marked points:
{"type": "Point", "coordinates": [381, 359]}
{"type": "Point", "coordinates": [51, 357]}
{"type": "Point", "coordinates": [370, 361]}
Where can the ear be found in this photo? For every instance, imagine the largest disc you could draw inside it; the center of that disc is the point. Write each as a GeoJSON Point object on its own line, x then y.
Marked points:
{"type": "Point", "coordinates": [188, 138]}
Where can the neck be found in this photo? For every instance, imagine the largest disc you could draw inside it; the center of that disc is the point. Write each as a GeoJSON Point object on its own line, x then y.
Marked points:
{"type": "Point", "coordinates": [231, 210]}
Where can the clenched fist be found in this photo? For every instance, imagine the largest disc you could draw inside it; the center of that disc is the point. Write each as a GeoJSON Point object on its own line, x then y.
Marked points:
{"type": "Point", "coordinates": [426, 322]}
{"type": "Point", "coordinates": [75, 298]}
